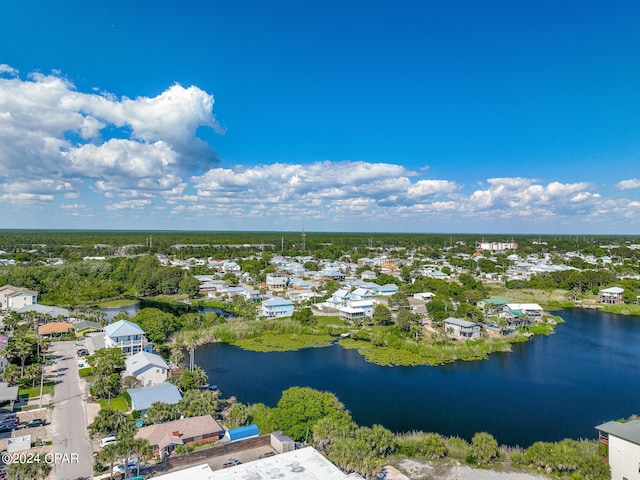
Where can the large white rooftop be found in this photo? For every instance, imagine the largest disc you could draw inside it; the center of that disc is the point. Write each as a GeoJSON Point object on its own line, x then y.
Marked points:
{"type": "Point", "coordinates": [304, 464]}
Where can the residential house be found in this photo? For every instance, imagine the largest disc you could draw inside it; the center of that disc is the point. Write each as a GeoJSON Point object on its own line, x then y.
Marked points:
{"type": "Point", "coordinates": [148, 368]}
{"type": "Point", "coordinates": [277, 307]}
{"type": "Point", "coordinates": [165, 437]}
{"type": "Point", "coordinates": [386, 290]}
{"type": "Point", "coordinates": [621, 444]}
{"type": "Point", "coordinates": [458, 327]}
{"type": "Point", "coordinates": [611, 295]}
{"type": "Point", "coordinates": [43, 311]}
{"type": "Point", "coordinates": [277, 281]}
{"type": "Point", "coordinates": [85, 327]}
{"type": "Point", "coordinates": [252, 294]}
{"type": "Point", "coordinates": [532, 311]}
{"type": "Point", "coordinates": [339, 298]}
{"type": "Point", "coordinates": [356, 311]}
{"type": "Point", "coordinates": [361, 294]}
{"type": "Point", "coordinates": [13, 298]}
{"type": "Point", "coordinates": [143, 397]}
{"type": "Point", "coordinates": [125, 335]}
{"type": "Point", "coordinates": [52, 329]}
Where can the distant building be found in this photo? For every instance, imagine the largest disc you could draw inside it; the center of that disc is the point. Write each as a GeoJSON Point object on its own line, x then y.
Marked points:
{"type": "Point", "coordinates": [497, 246]}
{"type": "Point", "coordinates": [611, 295]}
{"type": "Point", "coordinates": [277, 281]}
{"type": "Point", "coordinates": [13, 298]}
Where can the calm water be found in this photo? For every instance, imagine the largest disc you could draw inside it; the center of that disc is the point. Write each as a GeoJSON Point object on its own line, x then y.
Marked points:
{"type": "Point", "coordinates": [551, 388]}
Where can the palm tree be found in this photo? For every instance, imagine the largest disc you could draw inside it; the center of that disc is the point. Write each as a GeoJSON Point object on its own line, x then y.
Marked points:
{"type": "Point", "coordinates": [191, 342]}
{"type": "Point", "coordinates": [141, 448]}
{"type": "Point", "coordinates": [110, 454]}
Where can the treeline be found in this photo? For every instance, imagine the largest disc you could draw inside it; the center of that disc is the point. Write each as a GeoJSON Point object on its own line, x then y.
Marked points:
{"type": "Point", "coordinates": [81, 283]}
{"type": "Point", "coordinates": [580, 282]}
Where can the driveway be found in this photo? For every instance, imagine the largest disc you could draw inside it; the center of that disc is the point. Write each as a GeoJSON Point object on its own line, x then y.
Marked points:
{"type": "Point", "coordinates": [71, 447]}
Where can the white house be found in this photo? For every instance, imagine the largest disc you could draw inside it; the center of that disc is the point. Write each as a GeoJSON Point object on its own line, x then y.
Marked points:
{"type": "Point", "coordinates": [458, 327]}
{"type": "Point", "coordinates": [276, 281]}
{"type": "Point", "coordinates": [13, 298]}
{"type": "Point", "coordinates": [125, 335]}
{"type": "Point", "coordinates": [148, 368]}
{"type": "Point", "coordinates": [611, 295]}
{"type": "Point", "coordinates": [356, 310]}
{"type": "Point", "coordinates": [622, 444]}
{"type": "Point", "coordinates": [339, 298]}
{"type": "Point", "coordinates": [532, 311]}
{"type": "Point", "coordinates": [277, 307]}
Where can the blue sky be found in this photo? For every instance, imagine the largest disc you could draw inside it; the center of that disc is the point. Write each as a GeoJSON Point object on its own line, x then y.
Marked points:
{"type": "Point", "coordinates": [413, 116]}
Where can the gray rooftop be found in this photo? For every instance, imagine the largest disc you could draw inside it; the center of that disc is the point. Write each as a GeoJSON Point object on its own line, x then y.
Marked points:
{"type": "Point", "coordinates": [164, 392]}
{"type": "Point", "coordinates": [629, 431]}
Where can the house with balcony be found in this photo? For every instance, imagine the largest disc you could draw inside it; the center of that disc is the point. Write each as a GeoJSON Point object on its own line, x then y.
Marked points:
{"type": "Point", "coordinates": [611, 296]}
{"type": "Point", "coordinates": [457, 327]}
{"type": "Point", "coordinates": [277, 307]}
{"type": "Point", "coordinates": [277, 281]}
{"type": "Point", "coordinates": [125, 335]}
{"type": "Point", "coordinates": [620, 445]}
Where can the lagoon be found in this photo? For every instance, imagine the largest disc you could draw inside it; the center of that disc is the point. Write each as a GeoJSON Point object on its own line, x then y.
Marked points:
{"type": "Point", "coordinates": [550, 388]}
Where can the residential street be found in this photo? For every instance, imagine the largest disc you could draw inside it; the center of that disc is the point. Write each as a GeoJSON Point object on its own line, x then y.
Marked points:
{"type": "Point", "coordinates": [71, 446]}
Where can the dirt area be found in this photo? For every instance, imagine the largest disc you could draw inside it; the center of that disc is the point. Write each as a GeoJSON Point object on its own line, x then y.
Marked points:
{"type": "Point", "coordinates": [415, 470]}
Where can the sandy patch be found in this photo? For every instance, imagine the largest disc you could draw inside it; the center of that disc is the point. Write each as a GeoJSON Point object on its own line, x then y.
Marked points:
{"type": "Point", "coordinates": [416, 470]}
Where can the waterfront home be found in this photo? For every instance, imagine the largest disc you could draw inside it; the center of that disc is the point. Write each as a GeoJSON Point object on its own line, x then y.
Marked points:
{"type": "Point", "coordinates": [148, 368]}
{"type": "Point", "coordinates": [143, 397]}
{"type": "Point", "coordinates": [165, 437]}
{"type": "Point", "coordinates": [13, 298]}
{"type": "Point", "coordinates": [458, 327]}
{"type": "Point", "coordinates": [125, 335]}
{"type": "Point", "coordinates": [532, 311]}
{"type": "Point", "coordinates": [621, 445]}
{"type": "Point", "coordinates": [361, 294]}
{"type": "Point", "coordinates": [356, 311]}
{"type": "Point", "coordinates": [277, 307]}
{"type": "Point", "coordinates": [611, 295]}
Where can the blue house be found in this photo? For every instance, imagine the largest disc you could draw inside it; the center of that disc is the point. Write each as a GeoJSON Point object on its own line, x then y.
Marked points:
{"type": "Point", "coordinates": [143, 397]}
{"type": "Point", "coordinates": [277, 307]}
{"type": "Point", "coordinates": [386, 290]}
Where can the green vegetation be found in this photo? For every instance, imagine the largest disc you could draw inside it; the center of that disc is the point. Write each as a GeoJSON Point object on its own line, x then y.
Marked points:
{"type": "Point", "coordinates": [34, 392]}
{"type": "Point", "coordinates": [621, 309]}
{"type": "Point", "coordinates": [273, 342]}
{"type": "Point", "coordinates": [117, 403]}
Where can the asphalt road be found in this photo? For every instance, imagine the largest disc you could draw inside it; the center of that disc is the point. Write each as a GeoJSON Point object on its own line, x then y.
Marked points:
{"type": "Point", "coordinates": [71, 446]}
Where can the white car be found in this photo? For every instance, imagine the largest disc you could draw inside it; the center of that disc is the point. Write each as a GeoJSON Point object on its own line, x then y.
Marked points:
{"type": "Point", "coordinates": [111, 438]}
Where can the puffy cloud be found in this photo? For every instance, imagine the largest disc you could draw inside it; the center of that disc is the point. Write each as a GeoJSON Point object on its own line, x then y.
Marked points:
{"type": "Point", "coordinates": [628, 184]}
{"type": "Point", "coordinates": [50, 130]}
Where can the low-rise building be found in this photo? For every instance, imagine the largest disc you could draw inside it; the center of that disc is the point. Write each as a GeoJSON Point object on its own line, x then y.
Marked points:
{"type": "Point", "coordinates": [621, 444]}
{"type": "Point", "coordinates": [125, 335]}
{"type": "Point", "coordinates": [143, 397]}
{"type": "Point", "coordinates": [611, 295]}
{"type": "Point", "coordinates": [277, 307]}
{"type": "Point", "coordinates": [13, 298]}
{"type": "Point", "coordinates": [165, 437]}
{"type": "Point", "coordinates": [458, 327]}
{"type": "Point", "coordinates": [148, 368]}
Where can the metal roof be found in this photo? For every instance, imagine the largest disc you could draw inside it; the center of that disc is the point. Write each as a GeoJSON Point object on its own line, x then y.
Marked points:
{"type": "Point", "coordinates": [164, 392]}
{"type": "Point", "coordinates": [123, 328]}
{"type": "Point", "coordinates": [629, 431]}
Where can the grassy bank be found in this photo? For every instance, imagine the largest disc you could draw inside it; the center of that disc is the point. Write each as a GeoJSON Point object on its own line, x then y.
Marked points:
{"type": "Point", "coordinates": [626, 309]}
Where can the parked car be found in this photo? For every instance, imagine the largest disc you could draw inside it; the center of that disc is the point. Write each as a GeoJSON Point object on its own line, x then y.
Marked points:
{"type": "Point", "coordinates": [36, 422]}
{"type": "Point", "coordinates": [231, 462]}
{"type": "Point", "coordinates": [111, 438]}
{"type": "Point", "coordinates": [83, 352]}
{"type": "Point", "coordinates": [8, 427]}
